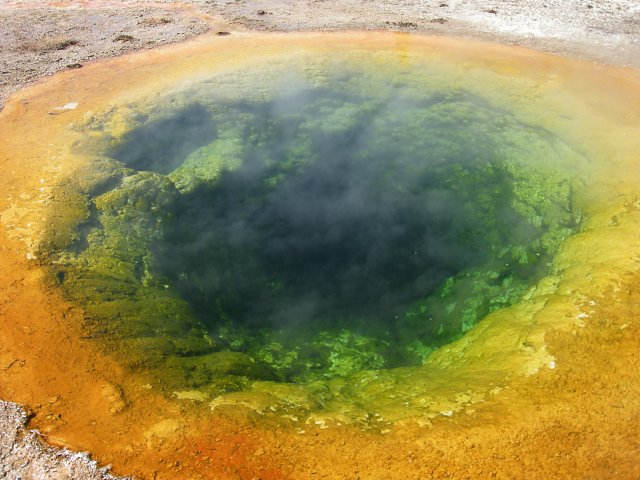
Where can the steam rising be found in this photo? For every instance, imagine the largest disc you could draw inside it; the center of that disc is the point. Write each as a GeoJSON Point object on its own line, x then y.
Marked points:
{"type": "Point", "coordinates": [162, 146]}
{"type": "Point", "coordinates": [340, 211]}
{"type": "Point", "coordinates": [343, 222]}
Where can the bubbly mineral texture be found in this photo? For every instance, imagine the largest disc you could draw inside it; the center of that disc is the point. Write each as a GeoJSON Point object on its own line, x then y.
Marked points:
{"type": "Point", "coordinates": [345, 222]}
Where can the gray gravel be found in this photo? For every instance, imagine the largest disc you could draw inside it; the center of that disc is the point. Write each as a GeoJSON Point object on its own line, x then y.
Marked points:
{"type": "Point", "coordinates": [601, 30]}
{"type": "Point", "coordinates": [23, 455]}
{"type": "Point", "coordinates": [39, 42]}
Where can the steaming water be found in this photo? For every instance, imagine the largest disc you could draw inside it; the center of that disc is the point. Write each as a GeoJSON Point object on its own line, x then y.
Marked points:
{"type": "Point", "coordinates": [312, 222]}
{"type": "Point", "coordinates": [363, 229]}
{"type": "Point", "coordinates": [323, 231]}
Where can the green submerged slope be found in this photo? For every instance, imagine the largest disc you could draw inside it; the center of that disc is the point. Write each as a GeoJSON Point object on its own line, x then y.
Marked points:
{"type": "Point", "coordinates": [304, 235]}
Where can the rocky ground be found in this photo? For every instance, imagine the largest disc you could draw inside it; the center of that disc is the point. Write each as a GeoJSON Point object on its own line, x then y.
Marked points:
{"type": "Point", "coordinates": [23, 455]}
{"type": "Point", "coordinates": [36, 42]}
{"type": "Point", "coordinates": [39, 38]}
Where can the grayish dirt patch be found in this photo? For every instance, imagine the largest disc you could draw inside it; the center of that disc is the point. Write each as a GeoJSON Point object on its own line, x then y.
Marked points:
{"type": "Point", "coordinates": [39, 42]}
{"type": "Point", "coordinates": [23, 454]}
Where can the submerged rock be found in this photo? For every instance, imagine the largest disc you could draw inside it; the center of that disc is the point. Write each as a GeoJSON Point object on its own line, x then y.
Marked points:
{"type": "Point", "coordinates": [115, 396]}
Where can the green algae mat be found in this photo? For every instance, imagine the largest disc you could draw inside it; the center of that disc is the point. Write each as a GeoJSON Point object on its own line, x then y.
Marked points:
{"type": "Point", "coordinates": [336, 230]}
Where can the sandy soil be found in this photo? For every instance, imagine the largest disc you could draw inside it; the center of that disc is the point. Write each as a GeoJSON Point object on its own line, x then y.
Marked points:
{"type": "Point", "coordinates": [39, 42]}
{"type": "Point", "coordinates": [40, 37]}
{"type": "Point", "coordinates": [579, 422]}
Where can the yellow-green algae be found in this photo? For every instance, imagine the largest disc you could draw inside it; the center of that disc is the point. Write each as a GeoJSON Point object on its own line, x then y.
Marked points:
{"type": "Point", "coordinates": [509, 341]}
{"type": "Point", "coordinates": [496, 189]}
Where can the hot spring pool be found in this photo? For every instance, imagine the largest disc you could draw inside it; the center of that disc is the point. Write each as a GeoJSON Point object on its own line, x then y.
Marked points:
{"type": "Point", "coordinates": [360, 230]}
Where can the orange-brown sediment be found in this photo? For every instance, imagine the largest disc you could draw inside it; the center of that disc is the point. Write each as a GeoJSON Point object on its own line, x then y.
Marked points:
{"type": "Point", "coordinates": [578, 419]}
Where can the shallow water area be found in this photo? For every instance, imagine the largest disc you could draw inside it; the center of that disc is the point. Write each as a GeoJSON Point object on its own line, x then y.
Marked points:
{"type": "Point", "coordinates": [135, 207]}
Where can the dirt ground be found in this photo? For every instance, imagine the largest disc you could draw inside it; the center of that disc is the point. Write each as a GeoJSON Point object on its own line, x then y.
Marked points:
{"type": "Point", "coordinates": [40, 37]}
{"type": "Point", "coordinates": [578, 421]}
